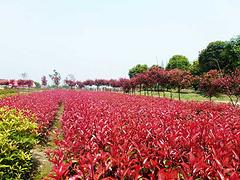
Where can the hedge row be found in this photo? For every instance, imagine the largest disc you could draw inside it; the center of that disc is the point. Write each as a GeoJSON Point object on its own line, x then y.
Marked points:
{"type": "Point", "coordinates": [18, 135]}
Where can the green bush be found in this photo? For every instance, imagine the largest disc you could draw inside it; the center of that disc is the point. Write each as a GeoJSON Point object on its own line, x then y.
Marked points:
{"type": "Point", "coordinates": [18, 135]}
{"type": "Point", "coordinates": [7, 92]}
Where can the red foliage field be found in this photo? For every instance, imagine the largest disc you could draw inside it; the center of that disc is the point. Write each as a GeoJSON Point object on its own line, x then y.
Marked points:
{"type": "Point", "coordinates": [44, 105]}
{"type": "Point", "coordinates": [116, 136]}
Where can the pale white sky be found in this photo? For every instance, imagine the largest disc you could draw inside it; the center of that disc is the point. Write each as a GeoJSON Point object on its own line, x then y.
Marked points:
{"type": "Point", "coordinates": [104, 38]}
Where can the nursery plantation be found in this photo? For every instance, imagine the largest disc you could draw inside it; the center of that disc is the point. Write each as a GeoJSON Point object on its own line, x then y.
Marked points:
{"type": "Point", "coordinates": [119, 90]}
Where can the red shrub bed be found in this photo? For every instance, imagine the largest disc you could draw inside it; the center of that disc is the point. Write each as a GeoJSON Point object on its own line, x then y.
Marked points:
{"type": "Point", "coordinates": [43, 105]}
{"type": "Point", "coordinates": [116, 136]}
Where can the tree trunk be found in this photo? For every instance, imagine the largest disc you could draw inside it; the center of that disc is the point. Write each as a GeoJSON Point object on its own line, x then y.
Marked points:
{"type": "Point", "coordinates": [179, 96]}
{"type": "Point", "coordinates": [158, 90]}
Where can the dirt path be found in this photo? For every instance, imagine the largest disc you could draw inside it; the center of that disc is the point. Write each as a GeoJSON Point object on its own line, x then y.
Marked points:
{"type": "Point", "coordinates": [42, 165]}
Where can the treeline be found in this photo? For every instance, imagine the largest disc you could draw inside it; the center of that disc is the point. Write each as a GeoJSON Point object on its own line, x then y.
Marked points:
{"type": "Point", "coordinates": [219, 55]}
{"type": "Point", "coordinates": [159, 80]}
{"type": "Point", "coordinates": [17, 83]}
{"type": "Point", "coordinates": [215, 71]}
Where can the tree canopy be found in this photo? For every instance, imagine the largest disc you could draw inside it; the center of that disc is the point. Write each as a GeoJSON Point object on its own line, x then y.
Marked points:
{"type": "Point", "coordinates": [232, 54]}
{"type": "Point", "coordinates": [221, 55]}
{"type": "Point", "coordinates": [213, 57]}
{"type": "Point", "coordinates": [137, 70]}
{"type": "Point", "coordinates": [178, 62]}
{"type": "Point", "coordinates": [195, 68]}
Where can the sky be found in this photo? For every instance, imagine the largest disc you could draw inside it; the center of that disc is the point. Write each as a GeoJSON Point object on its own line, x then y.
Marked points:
{"type": "Point", "coordinates": [105, 38]}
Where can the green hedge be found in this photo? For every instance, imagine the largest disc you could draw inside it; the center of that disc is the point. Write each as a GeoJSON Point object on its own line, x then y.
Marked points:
{"type": "Point", "coordinates": [18, 135]}
{"type": "Point", "coordinates": [7, 91]}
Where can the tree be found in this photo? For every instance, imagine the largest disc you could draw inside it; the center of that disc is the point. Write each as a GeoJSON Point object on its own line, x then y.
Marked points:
{"type": "Point", "coordinates": [180, 79]}
{"type": "Point", "coordinates": [213, 57]}
{"type": "Point", "coordinates": [147, 82]}
{"type": "Point", "coordinates": [25, 83]}
{"type": "Point", "coordinates": [99, 82]}
{"type": "Point", "coordinates": [195, 82]}
{"type": "Point", "coordinates": [156, 66]}
{"type": "Point", "coordinates": [125, 84]}
{"type": "Point", "coordinates": [208, 85]}
{"type": "Point", "coordinates": [37, 84]}
{"type": "Point", "coordinates": [80, 84]}
{"type": "Point", "coordinates": [232, 54]}
{"type": "Point", "coordinates": [70, 83]}
{"type": "Point", "coordinates": [44, 81]}
{"type": "Point", "coordinates": [115, 84]}
{"type": "Point", "coordinates": [230, 85]}
{"type": "Point", "coordinates": [141, 81]}
{"type": "Point", "coordinates": [163, 80]}
{"type": "Point", "coordinates": [56, 77]}
{"type": "Point", "coordinates": [153, 74]}
{"type": "Point", "coordinates": [159, 79]}
{"type": "Point", "coordinates": [137, 70]}
{"type": "Point", "coordinates": [88, 82]}
{"type": "Point", "coordinates": [4, 82]}
{"type": "Point", "coordinates": [133, 84]}
{"type": "Point", "coordinates": [195, 68]}
{"type": "Point", "coordinates": [178, 62]}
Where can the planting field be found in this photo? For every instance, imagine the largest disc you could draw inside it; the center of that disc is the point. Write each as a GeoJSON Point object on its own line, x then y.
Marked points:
{"type": "Point", "coordinates": [105, 135]}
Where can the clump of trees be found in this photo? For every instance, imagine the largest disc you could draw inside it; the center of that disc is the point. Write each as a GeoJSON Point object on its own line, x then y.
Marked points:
{"type": "Point", "coordinates": [156, 80]}
{"type": "Point", "coordinates": [220, 55]}
{"type": "Point", "coordinates": [17, 83]}
{"type": "Point", "coordinates": [4, 82]}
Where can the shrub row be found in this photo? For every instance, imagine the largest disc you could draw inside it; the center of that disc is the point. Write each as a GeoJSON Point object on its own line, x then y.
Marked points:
{"type": "Point", "coordinates": [18, 135]}
{"type": "Point", "coordinates": [118, 136]}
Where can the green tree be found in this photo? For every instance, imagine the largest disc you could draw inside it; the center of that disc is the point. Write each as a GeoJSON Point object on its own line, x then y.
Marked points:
{"type": "Point", "coordinates": [137, 70]}
{"type": "Point", "coordinates": [213, 57]}
{"type": "Point", "coordinates": [232, 54]}
{"type": "Point", "coordinates": [179, 62]}
{"type": "Point", "coordinates": [195, 68]}
{"type": "Point", "coordinates": [156, 66]}
{"type": "Point", "coordinates": [37, 84]}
